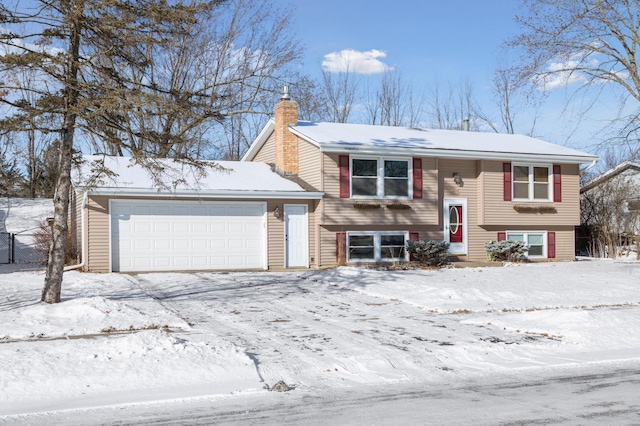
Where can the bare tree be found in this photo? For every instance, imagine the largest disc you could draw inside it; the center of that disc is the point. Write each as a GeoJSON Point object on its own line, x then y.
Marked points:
{"type": "Point", "coordinates": [611, 212]}
{"type": "Point", "coordinates": [225, 66]}
{"type": "Point", "coordinates": [448, 108]}
{"type": "Point", "coordinates": [123, 72]}
{"type": "Point", "coordinates": [340, 92]}
{"type": "Point", "coordinates": [514, 99]}
{"type": "Point", "coordinates": [593, 43]}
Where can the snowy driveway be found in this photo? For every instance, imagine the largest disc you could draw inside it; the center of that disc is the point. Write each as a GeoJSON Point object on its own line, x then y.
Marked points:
{"type": "Point", "coordinates": [351, 326]}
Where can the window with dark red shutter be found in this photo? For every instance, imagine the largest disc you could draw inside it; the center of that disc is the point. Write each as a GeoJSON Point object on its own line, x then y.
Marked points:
{"type": "Point", "coordinates": [417, 178]}
{"type": "Point", "coordinates": [557, 183]}
{"type": "Point", "coordinates": [502, 236]}
{"type": "Point", "coordinates": [343, 164]}
{"type": "Point", "coordinates": [551, 245]}
{"type": "Point", "coordinates": [507, 181]}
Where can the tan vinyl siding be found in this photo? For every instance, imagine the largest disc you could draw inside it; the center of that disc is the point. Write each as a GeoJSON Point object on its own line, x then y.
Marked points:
{"type": "Point", "coordinates": [267, 154]}
{"type": "Point", "coordinates": [496, 211]}
{"type": "Point", "coordinates": [338, 211]}
{"type": "Point", "coordinates": [98, 222]}
{"type": "Point", "coordinates": [309, 159]}
{"type": "Point", "coordinates": [98, 236]}
{"type": "Point", "coordinates": [275, 234]}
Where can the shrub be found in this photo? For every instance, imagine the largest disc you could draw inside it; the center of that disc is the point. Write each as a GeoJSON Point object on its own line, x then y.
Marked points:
{"type": "Point", "coordinates": [428, 252]}
{"type": "Point", "coordinates": [512, 251]}
{"type": "Point", "coordinates": [42, 237]}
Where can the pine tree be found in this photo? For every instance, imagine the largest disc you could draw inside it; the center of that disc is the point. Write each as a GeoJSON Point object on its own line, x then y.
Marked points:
{"type": "Point", "coordinates": [67, 41]}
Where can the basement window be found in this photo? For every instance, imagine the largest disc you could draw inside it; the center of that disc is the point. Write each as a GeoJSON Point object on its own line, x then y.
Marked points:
{"type": "Point", "coordinates": [383, 246]}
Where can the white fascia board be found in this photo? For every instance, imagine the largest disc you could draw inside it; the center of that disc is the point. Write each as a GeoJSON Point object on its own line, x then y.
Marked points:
{"type": "Point", "coordinates": [458, 154]}
{"type": "Point", "coordinates": [259, 141]}
{"type": "Point", "coordinates": [136, 192]}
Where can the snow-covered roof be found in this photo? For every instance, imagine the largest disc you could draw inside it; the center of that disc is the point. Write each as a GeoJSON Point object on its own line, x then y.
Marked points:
{"type": "Point", "coordinates": [224, 179]}
{"type": "Point", "coordinates": [388, 140]}
{"type": "Point", "coordinates": [626, 166]}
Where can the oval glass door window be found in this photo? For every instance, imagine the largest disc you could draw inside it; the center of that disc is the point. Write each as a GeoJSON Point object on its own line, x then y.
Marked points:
{"type": "Point", "coordinates": [453, 219]}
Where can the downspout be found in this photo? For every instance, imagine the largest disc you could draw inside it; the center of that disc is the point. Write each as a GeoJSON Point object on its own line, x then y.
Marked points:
{"type": "Point", "coordinates": [590, 166]}
{"type": "Point", "coordinates": [82, 236]}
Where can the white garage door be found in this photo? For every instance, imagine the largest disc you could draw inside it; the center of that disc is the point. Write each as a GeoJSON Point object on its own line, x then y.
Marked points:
{"type": "Point", "coordinates": [186, 235]}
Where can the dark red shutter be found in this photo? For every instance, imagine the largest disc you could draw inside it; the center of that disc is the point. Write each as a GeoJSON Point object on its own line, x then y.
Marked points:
{"type": "Point", "coordinates": [551, 245]}
{"type": "Point", "coordinates": [502, 236]}
{"type": "Point", "coordinates": [557, 183]}
{"type": "Point", "coordinates": [417, 178]}
{"type": "Point", "coordinates": [343, 163]}
{"type": "Point", "coordinates": [506, 171]}
{"type": "Point", "coordinates": [341, 247]}
{"type": "Point", "coordinates": [413, 236]}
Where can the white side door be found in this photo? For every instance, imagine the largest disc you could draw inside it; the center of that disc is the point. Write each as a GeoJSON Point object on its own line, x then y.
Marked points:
{"type": "Point", "coordinates": [296, 235]}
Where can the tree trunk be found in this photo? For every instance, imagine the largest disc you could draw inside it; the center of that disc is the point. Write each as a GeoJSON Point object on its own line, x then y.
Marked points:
{"type": "Point", "coordinates": [55, 265]}
{"type": "Point", "coordinates": [57, 250]}
{"type": "Point", "coordinates": [31, 135]}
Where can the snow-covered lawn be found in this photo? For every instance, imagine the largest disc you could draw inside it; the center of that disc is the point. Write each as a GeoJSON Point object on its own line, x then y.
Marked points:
{"type": "Point", "coordinates": [126, 339]}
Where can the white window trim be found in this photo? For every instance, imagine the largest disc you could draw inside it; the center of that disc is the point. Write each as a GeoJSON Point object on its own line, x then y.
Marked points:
{"type": "Point", "coordinates": [545, 242]}
{"type": "Point", "coordinates": [380, 177]}
{"type": "Point", "coordinates": [377, 246]}
{"type": "Point", "coordinates": [531, 182]}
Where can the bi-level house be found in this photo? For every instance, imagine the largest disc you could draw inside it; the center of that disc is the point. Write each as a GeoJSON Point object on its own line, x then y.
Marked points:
{"type": "Point", "coordinates": [318, 194]}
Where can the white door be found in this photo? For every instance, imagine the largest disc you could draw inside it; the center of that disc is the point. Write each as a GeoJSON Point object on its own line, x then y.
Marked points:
{"type": "Point", "coordinates": [296, 230]}
{"type": "Point", "coordinates": [455, 224]}
{"type": "Point", "coordinates": [187, 235]}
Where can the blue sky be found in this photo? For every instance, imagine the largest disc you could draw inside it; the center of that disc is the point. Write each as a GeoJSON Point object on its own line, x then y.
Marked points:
{"type": "Point", "coordinates": [429, 41]}
{"type": "Point", "coordinates": [423, 39]}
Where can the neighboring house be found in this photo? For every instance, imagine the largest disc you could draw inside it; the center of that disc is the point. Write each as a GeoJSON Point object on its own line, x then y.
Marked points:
{"type": "Point", "coordinates": [610, 209]}
{"type": "Point", "coordinates": [342, 193]}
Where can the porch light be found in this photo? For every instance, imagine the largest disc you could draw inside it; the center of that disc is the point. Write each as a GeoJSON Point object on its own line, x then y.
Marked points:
{"type": "Point", "coordinates": [458, 179]}
{"type": "Point", "coordinates": [276, 212]}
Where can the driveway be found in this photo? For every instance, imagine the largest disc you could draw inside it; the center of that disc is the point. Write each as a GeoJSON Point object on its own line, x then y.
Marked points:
{"type": "Point", "coordinates": [316, 335]}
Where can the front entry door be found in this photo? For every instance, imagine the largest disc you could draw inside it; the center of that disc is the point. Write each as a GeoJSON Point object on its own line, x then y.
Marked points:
{"type": "Point", "coordinates": [296, 230]}
{"type": "Point", "coordinates": [455, 224]}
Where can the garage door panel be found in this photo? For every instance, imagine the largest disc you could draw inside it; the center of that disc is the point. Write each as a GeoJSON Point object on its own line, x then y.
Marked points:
{"type": "Point", "coordinates": [185, 235]}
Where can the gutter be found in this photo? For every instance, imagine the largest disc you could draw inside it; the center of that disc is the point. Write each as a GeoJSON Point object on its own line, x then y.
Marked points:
{"type": "Point", "coordinates": [457, 153]}
{"type": "Point", "coordinates": [153, 192]}
{"type": "Point", "coordinates": [83, 256]}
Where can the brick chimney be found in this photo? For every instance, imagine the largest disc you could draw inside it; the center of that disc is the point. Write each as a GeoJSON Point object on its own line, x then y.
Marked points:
{"type": "Point", "coordinates": [286, 143]}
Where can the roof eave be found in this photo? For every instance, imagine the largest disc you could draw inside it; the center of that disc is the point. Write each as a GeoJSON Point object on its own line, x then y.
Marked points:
{"type": "Point", "coordinates": [459, 154]}
{"type": "Point", "coordinates": [224, 194]}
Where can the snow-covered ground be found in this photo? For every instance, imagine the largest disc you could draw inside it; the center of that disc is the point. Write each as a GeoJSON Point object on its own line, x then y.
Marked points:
{"type": "Point", "coordinates": [121, 339]}
{"type": "Point", "coordinates": [22, 217]}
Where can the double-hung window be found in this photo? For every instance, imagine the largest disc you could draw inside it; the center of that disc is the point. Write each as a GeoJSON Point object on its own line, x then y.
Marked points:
{"type": "Point", "coordinates": [376, 246]}
{"type": "Point", "coordinates": [535, 240]}
{"type": "Point", "coordinates": [532, 182]}
{"type": "Point", "coordinates": [380, 178]}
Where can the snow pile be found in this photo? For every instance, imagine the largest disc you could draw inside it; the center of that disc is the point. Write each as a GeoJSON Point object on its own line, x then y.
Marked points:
{"type": "Point", "coordinates": [121, 369]}
{"type": "Point", "coordinates": [84, 316]}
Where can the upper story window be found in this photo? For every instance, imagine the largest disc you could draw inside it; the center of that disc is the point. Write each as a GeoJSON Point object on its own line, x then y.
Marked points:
{"type": "Point", "coordinates": [380, 178]}
{"type": "Point", "coordinates": [532, 182]}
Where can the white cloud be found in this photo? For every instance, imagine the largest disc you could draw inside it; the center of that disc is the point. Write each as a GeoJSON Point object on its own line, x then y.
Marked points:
{"type": "Point", "coordinates": [559, 74]}
{"type": "Point", "coordinates": [355, 61]}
